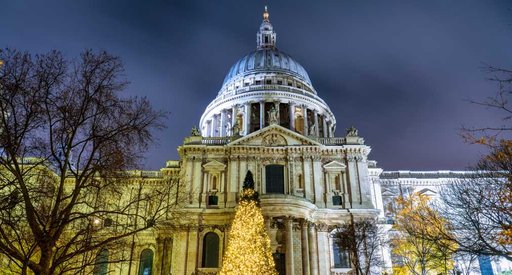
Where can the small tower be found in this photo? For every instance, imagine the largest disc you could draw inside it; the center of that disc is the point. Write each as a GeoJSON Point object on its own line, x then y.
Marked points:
{"type": "Point", "coordinates": [266, 37]}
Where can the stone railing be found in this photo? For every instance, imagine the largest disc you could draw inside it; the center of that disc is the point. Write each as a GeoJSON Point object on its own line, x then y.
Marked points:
{"type": "Point", "coordinates": [208, 140]}
{"type": "Point", "coordinates": [215, 140]}
{"type": "Point", "coordinates": [340, 271]}
{"type": "Point", "coordinates": [151, 174]}
{"type": "Point", "coordinates": [226, 140]}
{"type": "Point", "coordinates": [330, 140]}
{"type": "Point", "coordinates": [145, 174]}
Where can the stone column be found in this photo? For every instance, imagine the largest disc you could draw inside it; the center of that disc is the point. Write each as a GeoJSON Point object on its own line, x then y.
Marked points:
{"type": "Point", "coordinates": [208, 128]}
{"type": "Point", "coordinates": [325, 127]}
{"type": "Point", "coordinates": [305, 116]}
{"type": "Point", "coordinates": [329, 129]}
{"type": "Point", "coordinates": [315, 117]}
{"type": "Point", "coordinates": [305, 247]}
{"type": "Point", "coordinates": [318, 181]}
{"type": "Point", "coordinates": [313, 252]}
{"type": "Point", "coordinates": [364, 182]}
{"type": "Point", "coordinates": [212, 131]}
{"type": "Point", "coordinates": [309, 183]}
{"type": "Point", "coordinates": [323, 250]}
{"type": "Point", "coordinates": [291, 108]}
{"type": "Point", "coordinates": [216, 128]}
{"type": "Point", "coordinates": [262, 114]}
{"type": "Point", "coordinates": [196, 178]}
{"type": "Point", "coordinates": [247, 119]}
{"type": "Point", "coordinates": [353, 181]}
{"type": "Point", "coordinates": [233, 116]}
{"type": "Point", "coordinates": [222, 128]}
{"type": "Point", "coordinates": [289, 245]}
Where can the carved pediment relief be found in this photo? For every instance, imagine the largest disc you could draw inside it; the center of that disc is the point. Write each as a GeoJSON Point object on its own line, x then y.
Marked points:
{"type": "Point", "coordinates": [273, 139]}
{"type": "Point", "coordinates": [274, 135]}
{"type": "Point", "coordinates": [214, 165]}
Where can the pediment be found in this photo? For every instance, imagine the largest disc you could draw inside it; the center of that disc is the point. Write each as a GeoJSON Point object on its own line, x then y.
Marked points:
{"type": "Point", "coordinates": [387, 192]}
{"type": "Point", "coordinates": [274, 136]}
{"type": "Point", "coordinates": [427, 192]}
{"type": "Point", "coordinates": [214, 165]}
{"type": "Point", "coordinates": [334, 166]}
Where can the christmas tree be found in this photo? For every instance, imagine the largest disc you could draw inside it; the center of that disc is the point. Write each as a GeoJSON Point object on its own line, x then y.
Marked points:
{"type": "Point", "coordinates": [248, 251]}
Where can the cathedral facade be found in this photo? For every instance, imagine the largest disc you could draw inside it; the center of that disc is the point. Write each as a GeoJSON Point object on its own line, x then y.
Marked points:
{"type": "Point", "coordinates": [268, 119]}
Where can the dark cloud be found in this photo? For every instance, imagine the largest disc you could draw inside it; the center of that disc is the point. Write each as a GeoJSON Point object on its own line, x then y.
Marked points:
{"type": "Point", "coordinates": [401, 72]}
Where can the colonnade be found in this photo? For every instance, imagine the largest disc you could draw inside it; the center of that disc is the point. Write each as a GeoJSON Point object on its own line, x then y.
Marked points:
{"type": "Point", "coordinates": [252, 116]}
{"type": "Point", "coordinates": [307, 232]}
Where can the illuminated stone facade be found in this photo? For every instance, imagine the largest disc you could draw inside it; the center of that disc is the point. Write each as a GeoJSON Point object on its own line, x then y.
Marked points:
{"type": "Point", "coordinates": [269, 119]}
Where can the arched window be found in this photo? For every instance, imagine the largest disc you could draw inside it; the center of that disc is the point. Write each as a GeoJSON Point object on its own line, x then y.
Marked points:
{"type": "Point", "coordinates": [210, 250]}
{"type": "Point", "coordinates": [101, 263]}
{"type": "Point", "coordinates": [146, 262]}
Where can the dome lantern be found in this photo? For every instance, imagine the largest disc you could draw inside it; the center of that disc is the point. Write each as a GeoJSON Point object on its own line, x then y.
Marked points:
{"type": "Point", "coordinates": [266, 37]}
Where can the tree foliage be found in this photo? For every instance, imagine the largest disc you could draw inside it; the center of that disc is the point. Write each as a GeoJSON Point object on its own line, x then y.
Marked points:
{"type": "Point", "coordinates": [66, 137]}
{"type": "Point", "coordinates": [418, 240]}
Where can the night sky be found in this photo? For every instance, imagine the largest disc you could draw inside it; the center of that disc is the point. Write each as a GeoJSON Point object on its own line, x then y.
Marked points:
{"type": "Point", "coordinates": [402, 72]}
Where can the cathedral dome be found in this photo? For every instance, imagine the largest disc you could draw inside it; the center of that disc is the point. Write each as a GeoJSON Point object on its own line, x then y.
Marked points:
{"type": "Point", "coordinates": [264, 87]}
{"type": "Point", "coordinates": [267, 60]}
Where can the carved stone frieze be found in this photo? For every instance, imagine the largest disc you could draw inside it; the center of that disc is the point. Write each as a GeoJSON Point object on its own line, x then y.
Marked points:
{"type": "Point", "coordinates": [322, 227]}
{"type": "Point", "coordinates": [273, 139]}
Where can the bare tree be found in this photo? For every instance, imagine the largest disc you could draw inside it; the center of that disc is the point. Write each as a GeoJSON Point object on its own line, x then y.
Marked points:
{"type": "Point", "coordinates": [500, 101]}
{"type": "Point", "coordinates": [364, 240]}
{"type": "Point", "coordinates": [478, 206]}
{"type": "Point", "coordinates": [67, 138]}
{"type": "Point", "coordinates": [466, 263]}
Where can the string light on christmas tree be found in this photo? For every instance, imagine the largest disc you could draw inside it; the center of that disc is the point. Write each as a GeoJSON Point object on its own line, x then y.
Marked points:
{"type": "Point", "coordinates": [248, 251]}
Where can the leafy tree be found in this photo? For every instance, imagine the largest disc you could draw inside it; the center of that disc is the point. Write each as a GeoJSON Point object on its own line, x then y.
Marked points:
{"type": "Point", "coordinates": [364, 240]}
{"type": "Point", "coordinates": [66, 137]}
{"type": "Point", "coordinates": [415, 242]}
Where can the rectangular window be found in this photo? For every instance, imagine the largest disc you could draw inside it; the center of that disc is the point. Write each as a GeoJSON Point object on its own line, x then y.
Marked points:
{"type": "Point", "coordinates": [274, 179]}
{"type": "Point", "coordinates": [268, 81]}
{"type": "Point", "coordinates": [341, 256]}
{"type": "Point", "coordinates": [336, 200]}
{"type": "Point", "coordinates": [213, 200]}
